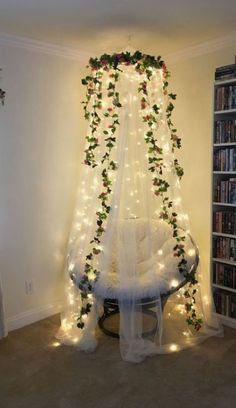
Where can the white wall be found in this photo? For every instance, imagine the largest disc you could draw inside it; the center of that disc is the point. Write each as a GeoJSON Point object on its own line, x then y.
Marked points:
{"type": "Point", "coordinates": [40, 136]}
{"type": "Point", "coordinates": [192, 80]}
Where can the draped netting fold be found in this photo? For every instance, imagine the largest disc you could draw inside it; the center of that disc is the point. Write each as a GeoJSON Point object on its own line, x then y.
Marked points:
{"type": "Point", "coordinates": [135, 256]}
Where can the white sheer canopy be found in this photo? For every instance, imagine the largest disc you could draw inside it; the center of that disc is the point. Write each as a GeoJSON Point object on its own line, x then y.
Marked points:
{"type": "Point", "coordinates": [135, 259]}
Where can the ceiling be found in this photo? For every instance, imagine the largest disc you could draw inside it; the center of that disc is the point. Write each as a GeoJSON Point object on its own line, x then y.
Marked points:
{"type": "Point", "coordinates": [155, 26]}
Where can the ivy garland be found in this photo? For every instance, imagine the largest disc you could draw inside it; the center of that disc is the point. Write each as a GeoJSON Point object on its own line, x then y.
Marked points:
{"type": "Point", "coordinates": [143, 65]}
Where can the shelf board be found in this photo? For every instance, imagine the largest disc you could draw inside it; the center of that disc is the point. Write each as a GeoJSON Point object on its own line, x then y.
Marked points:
{"type": "Point", "coordinates": [224, 172]}
{"type": "Point", "coordinates": [224, 204]}
{"type": "Point", "coordinates": [222, 234]}
{"type": "Point", "coordinates": [224, 81]}
{"type": "Point", "coordinates": [228, 321]}
{"type": "Point", "coordinates": [228, 144]}
{"type": "Point", "coordinates": [224, 261]}
{"type": "Point", "coordinates": [225, 111]}
{"type": "Point", "coordinates": [224, 287]}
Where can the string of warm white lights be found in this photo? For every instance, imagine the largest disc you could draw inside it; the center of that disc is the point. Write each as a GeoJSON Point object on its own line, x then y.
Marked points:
{"type": "Point", "coordinates": [155, 141]}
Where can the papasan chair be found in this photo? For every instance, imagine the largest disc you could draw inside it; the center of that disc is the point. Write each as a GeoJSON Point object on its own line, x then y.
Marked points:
{"type": "Point", "coordinates": [156, 276]}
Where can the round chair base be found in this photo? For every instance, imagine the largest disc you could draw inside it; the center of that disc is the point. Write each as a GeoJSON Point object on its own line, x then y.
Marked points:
{"type": "Point", "coordinates": [111, 308]}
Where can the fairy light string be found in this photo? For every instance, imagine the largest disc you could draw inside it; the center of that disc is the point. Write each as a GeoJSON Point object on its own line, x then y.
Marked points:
{"type": "Point", "coordinates": [145, 66]}
{"type": "Point", "coordinates": [94, 89]}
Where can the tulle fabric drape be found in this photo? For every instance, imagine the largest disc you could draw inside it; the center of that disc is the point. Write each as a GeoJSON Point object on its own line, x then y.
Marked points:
{"type": "Point", "coordinates": [137, 259]}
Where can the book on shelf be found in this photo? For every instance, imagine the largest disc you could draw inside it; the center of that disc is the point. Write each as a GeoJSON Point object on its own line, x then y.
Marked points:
{"type": "Point", "coordinates": [225, 97]}
{"type": "Point", "coordinates": [224, 275]}
{"type": "Point", "coordinates": [225, 191]}
{"type": "Point", "coordinates": [224, 159]}
{"type": "Point", "coordinates": [225, 72]}
{"type": "Point", "coordinates": [224, 222]}
{"type": "Point", "coordinates": [224, 248]}
{"type": "Point", "coordinates": [225, 303]}
{"type": "Point", "coordinates": [225, 131]}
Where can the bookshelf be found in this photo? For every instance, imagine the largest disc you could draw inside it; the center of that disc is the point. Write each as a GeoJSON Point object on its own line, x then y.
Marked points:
{"type": "Point", "coordinates": [223, 256]}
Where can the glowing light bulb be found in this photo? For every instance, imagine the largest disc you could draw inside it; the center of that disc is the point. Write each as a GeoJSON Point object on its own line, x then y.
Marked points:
{"type": "Point", "coordinates": [174, 347]}
{"type": "Point", "coordinates": [178, 200]}
{"type": "Point", "coordinates": [174, 283]}
{"type": "Point", "coordinates": [206, 300]}
{"type": "Point", "coordinates": [161, 266]}
{"type": "Point", "coordinates": [71, 267]}
{"type": "Point", "coordinates": [160, 252]}
{"type": "Point", "coordinates": [91, 276]}
{"type": "Point", "coordinates": [191, 252]}
{"type": "Point", "coordinates": [56, 344]}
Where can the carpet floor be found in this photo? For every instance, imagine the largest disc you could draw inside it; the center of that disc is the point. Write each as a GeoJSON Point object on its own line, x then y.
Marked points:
{"type": "Point", "coordinates": [36, 374]}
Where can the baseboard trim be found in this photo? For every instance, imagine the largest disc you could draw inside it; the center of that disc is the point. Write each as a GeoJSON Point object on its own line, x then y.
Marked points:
{"type": "Point", "coordinates": [33, 315]}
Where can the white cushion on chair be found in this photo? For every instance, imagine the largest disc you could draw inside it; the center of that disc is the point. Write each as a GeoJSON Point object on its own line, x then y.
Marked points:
{"type": "Point", "coordinates": [154, 274]}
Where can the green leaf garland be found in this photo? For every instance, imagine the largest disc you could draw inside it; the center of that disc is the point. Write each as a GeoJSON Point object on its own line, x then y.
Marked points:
{"type": "Point", "coordinates": [143, 65]}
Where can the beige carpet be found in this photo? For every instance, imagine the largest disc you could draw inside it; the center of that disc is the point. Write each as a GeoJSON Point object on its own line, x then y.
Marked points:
{"type": "Point", "coordinates": [34, 374]}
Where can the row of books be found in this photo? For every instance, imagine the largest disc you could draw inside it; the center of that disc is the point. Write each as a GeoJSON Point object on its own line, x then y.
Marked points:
{"type": "Point", "coordinates": [225, 131]}
{"type": "Point", "coordinates": [225, 303]}
{"type": "Point", "coordinates": [225, 191]}
{"type": "Point", "coordinates": [224, 222]}
{"type": "Point", "coordinates": [224, 159]}
{"type": "Point", "coordinates": [225, 72]}
{"type": "Point", "coordinates": [225, 97]}
{"type": "Point", "coordinates": [224, 275]}
{"type": "Point", "coordinates": [224, 248]}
